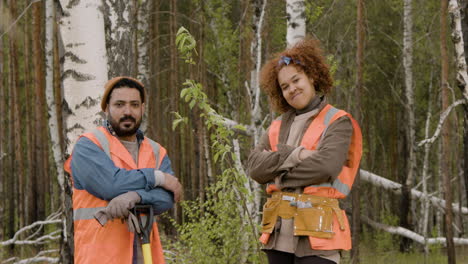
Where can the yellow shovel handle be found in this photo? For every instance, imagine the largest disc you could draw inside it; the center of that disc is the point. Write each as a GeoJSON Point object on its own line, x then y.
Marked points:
{"type": "Point", "coordinates": [147, 253]}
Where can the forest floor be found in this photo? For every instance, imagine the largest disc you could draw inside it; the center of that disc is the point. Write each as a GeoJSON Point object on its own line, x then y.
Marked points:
{"type": "Point", "coordinates": [369, 255]}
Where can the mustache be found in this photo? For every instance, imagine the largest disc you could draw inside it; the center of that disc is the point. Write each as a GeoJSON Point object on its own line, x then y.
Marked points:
{"type": "Point", "coordinates": [125, 118]}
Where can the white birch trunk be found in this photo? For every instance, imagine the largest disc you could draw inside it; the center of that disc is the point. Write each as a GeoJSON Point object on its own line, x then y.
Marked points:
{"type": "Point", "coordinates": [84, 73]}
{"type": "Point", "coordinates": [49, 92]}
{"type": "Point", "coordinates": [457, 37]}
{"type": "Point", "coordinates": [426, 202]}
{"type": "Point", "coordinates": [256, 126]}
{"type": "Point", "coordinates": [296, 25]}
{"type": "Point", "coordinates": [379, 181]}
{"type": "Point", "coordinates": [409, 90]}
{"type": "Point", "coordinates": [84, 65]}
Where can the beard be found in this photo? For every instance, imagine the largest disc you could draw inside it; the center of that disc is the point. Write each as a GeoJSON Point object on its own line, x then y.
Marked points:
{"type": "Point", "coordinates": [124, 130]}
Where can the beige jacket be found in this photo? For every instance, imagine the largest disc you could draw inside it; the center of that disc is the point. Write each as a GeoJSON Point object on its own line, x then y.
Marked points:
{"type": "Point", "coordinates": [291, 174]}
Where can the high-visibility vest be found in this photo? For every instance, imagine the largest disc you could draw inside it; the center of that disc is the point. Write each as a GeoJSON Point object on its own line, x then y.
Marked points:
{"type": "Point", "coordinates": [341, 186]}
{"type": "Point", "coordinates": [112, 243]}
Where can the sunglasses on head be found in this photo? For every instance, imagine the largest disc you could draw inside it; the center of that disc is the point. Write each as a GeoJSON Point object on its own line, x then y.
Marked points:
{"type": "Point", "coordinates": [287, 60]}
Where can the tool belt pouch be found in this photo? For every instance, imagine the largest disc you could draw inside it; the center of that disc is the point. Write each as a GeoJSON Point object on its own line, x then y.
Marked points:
{"type": "Point", "coordinates": [315, 221]}
{"type": "Point", "coordinates": [270, 214]}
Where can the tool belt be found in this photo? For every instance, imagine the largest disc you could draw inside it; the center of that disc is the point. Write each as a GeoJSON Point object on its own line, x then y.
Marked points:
{"type": "Point", "coordinates": [313, 215]}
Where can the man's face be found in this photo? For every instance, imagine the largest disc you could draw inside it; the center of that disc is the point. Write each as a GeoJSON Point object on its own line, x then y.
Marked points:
{"type": "Point", "coordinates": [125, 111]}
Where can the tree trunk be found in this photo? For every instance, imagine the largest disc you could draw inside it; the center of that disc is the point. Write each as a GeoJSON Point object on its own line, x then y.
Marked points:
{"type": "Point", "coordinates": [18, 153]}
{"type": "Point", "coordinates": [296, 27]}
{"type": "Point", "coordinates": [425, 172]}
{"type": "Point", "coordinates": [458, 40]}
{"type": "Point", "coordinates": [2, 132]}
{"type": "Point", "coordinates": [445, 163]}
{"type": "Point", "coordinates": [155, 116]}
{"type": "Point", "coordinates": [119, 37]}
{"type": "Point", "coordinates": [39, 152]}
{"type": "Point", "coordinates": [11, 171]}
{"type": "Point", "coordinates": [142, 51]}
{"type": "Point", "coordinates": [464, 29]}
{"type": "Point", "coordinates": [143, 41]}
{"type": "Point", "coordinates": [355, 194]}
{"type": "Point", "coordinates": [54, 128]}
{"type": "Point", "coordinates": [409, 130]}
{"type": "Point", "coordinates": [174, 99]}
{"type": "Point", "coordinates": [84, 64]}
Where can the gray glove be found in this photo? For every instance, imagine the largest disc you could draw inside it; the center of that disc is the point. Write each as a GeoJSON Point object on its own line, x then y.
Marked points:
{"type": "Point", "coordinates": [118, 207]}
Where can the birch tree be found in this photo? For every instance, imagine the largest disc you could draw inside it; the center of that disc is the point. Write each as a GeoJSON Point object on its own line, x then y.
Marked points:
{"type": "Point", "coordinates": [50, 96]}
{"type": "Point", "coordinates": [84, 75]}
{"type": "Point", "coordinates": [409, 119]}
{"type": "Point", "coordinates": [296, 27]}
{"type": "Point", "coordinates": [459, 26]}
{"type": "Point", "coordinates": [256, 124]}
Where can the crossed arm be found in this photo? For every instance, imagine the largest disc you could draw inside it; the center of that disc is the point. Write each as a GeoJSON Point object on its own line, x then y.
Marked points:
{"type": "Point", "coordinates": [298, 167]}
{"type": "Point", "coordinates": [95, 172]}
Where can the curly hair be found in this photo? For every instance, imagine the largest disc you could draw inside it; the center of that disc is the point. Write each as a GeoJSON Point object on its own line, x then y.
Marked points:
{"type": "Point", "coordinates": [307, 57]}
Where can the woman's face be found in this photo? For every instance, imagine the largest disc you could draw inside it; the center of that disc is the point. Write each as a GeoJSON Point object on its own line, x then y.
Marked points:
{"type": "Point", "coordinates": [297, 88]}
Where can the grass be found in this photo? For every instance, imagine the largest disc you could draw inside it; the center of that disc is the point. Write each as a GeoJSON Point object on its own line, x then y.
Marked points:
{"type": "Point", "coordinates": [436, 256]}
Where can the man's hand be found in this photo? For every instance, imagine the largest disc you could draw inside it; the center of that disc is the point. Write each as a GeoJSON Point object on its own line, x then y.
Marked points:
{"type": "Point", "coordinates": [172, 184]}
{"type": "Point", "coordinates": [119, 206]}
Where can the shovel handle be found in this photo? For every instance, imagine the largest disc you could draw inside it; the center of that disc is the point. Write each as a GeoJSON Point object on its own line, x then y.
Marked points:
{"type": "Point", "coordinates": [148, 259]}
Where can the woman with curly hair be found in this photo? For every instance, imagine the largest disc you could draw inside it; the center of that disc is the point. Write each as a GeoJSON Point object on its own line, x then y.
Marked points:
{"type": "Point", "coordinates": [308, 158]}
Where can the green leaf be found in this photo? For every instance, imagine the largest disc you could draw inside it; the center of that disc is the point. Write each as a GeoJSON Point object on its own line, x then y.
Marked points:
{"type": "Point", "coordinates": [192, 104]}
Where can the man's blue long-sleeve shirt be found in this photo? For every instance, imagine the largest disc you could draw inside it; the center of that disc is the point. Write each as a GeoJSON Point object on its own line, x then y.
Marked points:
{"type": "Point", "coordinates": [95, 172]}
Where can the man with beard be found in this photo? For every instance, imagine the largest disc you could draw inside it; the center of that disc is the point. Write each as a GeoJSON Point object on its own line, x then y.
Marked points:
{"type": "Point", "coordinates": [113, 168]}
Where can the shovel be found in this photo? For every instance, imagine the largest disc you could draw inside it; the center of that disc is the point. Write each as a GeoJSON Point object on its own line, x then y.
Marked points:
{"type": "Point", "coordinates": [143, 230]}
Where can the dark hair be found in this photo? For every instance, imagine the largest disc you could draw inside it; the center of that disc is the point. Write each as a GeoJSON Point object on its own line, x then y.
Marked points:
{"type": "Point", "coordinates": [306, 56]}
{"type": "Point", "coordinates": [130, 84]}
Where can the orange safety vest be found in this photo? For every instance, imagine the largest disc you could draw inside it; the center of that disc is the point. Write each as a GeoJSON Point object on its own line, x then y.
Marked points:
{"type": "Point", "coordinates": [112, 243]}
{"type": "Point", "coordinates": [340, 187]}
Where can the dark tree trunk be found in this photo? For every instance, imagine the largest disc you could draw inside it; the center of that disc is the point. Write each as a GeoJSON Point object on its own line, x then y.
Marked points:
{"type": "Point", "coordinates": [2, 136]}
{"type": "Point", "coordinates": [464, 24]}
{"type": "Point", "coordinates": [29, 90]}
{"type": "Point", "coordinates": [355, 194]}
{"type": "Point", "coordinates": [39, 181]}
{"type": "Point", "coordinates": [445, 166]}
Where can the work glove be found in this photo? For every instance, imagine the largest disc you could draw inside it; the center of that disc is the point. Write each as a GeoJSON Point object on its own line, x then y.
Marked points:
{"type": "Point", "coordinates": [172, 184]}
{"type": "Point", "coordinates": [118, 207]}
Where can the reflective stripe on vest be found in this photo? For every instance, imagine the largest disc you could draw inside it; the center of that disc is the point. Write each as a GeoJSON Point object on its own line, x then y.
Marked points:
{"type": "Point", "coordinates": [102, 140]}
{"type": "Point", "coordinates": [88, 213]}
{"type": "Point", "coordinates": [337, 184]}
